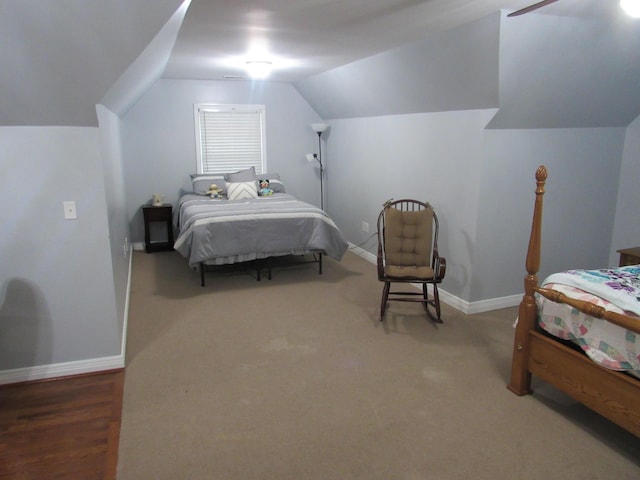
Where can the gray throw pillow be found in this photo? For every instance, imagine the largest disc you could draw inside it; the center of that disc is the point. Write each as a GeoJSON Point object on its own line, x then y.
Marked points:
{"type": "Point", "coordinates": [247, 175]}
{"type": "Point", "coordinates": [202, 181]}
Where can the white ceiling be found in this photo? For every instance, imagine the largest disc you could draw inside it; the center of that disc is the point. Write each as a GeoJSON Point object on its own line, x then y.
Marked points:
{"type": "Point", "coordinates": [60, 57]}
{"type": "Point", "coordinates": [307, 37]}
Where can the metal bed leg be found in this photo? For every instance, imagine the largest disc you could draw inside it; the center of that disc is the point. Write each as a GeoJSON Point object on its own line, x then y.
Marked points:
{"type": "Point", "coordinates": [320, 264]}
{"type": "Point", "coordinates": [202, 274]}
{"type": "Point", "coordinates": [261, 263]}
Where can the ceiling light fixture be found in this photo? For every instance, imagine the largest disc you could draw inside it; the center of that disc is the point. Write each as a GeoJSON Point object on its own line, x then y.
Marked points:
{"type": "Point", "coordinates": [259, 68]}
{"type": "Point", "coordinates": [631, 7]}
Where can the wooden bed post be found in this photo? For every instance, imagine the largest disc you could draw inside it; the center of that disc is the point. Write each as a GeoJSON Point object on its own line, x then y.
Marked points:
{"type": "Point", "coordinates": [520, 376]}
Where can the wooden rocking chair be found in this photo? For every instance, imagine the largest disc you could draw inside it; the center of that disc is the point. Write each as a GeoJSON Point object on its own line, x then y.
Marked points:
{"type": "Point", "coordinates": [408, 253]}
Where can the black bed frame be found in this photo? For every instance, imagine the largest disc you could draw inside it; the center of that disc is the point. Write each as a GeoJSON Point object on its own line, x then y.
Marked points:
{"type": "Point", "coordinates": [261, 264]}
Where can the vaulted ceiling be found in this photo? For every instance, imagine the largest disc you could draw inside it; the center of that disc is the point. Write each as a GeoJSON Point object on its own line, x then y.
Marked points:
{"type": "Point", "coordinates": [60, 57]}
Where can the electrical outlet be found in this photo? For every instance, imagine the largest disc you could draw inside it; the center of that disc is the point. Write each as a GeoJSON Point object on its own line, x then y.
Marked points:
{"type": "Point", "coordinates": [365, 227]}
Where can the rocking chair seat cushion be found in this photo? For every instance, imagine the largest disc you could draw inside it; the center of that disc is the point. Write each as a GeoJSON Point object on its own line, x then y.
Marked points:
{"type": "Point", "coordinates": [410, 272]}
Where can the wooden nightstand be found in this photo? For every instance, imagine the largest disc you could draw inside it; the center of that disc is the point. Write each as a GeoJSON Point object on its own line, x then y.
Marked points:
{"type": "Point", "coordinates": [160, 214]}
{"type": "Point", "coordinates": [629, 256]}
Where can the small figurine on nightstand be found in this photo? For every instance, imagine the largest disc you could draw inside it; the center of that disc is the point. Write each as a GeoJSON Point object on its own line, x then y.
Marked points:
{"type": "Point", "coordinates": [157, 200]}
{"type": "Point", "coordinates": [264, 188]}
{"type": "Point", "coordinates": [214, 191]}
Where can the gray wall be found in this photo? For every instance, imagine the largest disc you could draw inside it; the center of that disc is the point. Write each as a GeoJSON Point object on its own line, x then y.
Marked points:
{"type": "Point", "coordinates": [626, 228]}
{"type": "Point", "coordinates": [437, 157]}
{"type": "Point", "coordinates": [64, 283]}
{"type": "Point", "coordinates": [118, 221]}
{"type": "Point", "coordinates": [580, 203]}
{"type": "Point", "coordinates": [56, 291]}
{"type": "Point", "coordinates": [481, 183]}
{"type": "Point", "coordinates": [159, 139]}
{"type": "Point", "coordinates": [566, 72]}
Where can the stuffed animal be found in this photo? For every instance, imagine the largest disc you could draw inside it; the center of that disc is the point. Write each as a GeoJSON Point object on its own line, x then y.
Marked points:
{"type": "Point", "coordinates": [264, 188]}
{"type": "Point", "coordinates": [214, 191]}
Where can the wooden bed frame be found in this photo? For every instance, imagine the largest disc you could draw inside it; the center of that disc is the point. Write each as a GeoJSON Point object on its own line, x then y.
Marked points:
{"type": "Point", "coordinates": [612, 394]}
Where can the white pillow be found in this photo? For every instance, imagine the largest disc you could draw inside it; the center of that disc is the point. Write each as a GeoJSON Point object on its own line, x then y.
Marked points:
{"type": "Point", "coordinates": [240, 190]}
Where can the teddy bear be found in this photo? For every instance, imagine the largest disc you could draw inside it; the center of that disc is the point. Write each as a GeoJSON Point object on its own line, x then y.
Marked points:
{"type": "Point", "coordinates": [214, 191]}
{"type": "Point", "coordinates": [264, 188]}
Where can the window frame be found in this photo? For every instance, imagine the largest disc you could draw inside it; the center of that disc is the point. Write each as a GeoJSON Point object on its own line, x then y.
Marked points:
{"type": "Point", "coordinates": [199, 109]}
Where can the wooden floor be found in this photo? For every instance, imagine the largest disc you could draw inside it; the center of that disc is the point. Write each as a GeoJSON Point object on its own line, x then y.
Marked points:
{"type": "Point", "coordinates": [61, 429]}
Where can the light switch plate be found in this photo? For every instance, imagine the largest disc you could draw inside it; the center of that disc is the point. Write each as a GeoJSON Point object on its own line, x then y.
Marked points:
{"type": "Point", "coordinates": [70, 210]}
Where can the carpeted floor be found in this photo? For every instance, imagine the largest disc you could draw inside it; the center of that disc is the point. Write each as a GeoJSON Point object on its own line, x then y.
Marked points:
{"type": "Point", "coordinates": [295, 378]}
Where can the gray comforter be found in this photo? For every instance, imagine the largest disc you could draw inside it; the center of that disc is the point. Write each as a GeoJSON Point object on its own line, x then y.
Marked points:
{"type": "Point", "coordinates": [216, 231]}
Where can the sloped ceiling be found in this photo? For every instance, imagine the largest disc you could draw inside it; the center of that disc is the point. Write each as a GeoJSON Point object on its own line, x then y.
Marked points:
{"type": "Point", "coordinates": [455, 69]}
{"type": "Point", "coordinates": [307, 37]}
{"type": "Point", "coordinates": [60, 57]}
{"type": "Point", "coordinates": [540, 70]}
{"type": "Point", "coordinates": [568, 72]}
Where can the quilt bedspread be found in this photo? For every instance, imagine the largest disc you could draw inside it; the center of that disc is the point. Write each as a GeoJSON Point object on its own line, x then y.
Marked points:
{"type": "Point", "coordinates": [620, 286]}
{"type": "Point", "coordinates": [614, 289]}
{"type": "Point", "coordinates": [608, 345]}
{"type": "Point", "coordinates": [224, 231]}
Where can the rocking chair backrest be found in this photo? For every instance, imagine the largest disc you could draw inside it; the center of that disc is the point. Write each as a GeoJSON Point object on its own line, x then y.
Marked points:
{"type": "Point", "coordinates": [408, 236]}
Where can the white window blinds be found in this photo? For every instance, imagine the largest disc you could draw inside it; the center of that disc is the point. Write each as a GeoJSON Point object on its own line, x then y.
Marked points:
{"type": "Point", "coordinates": [230, 138]}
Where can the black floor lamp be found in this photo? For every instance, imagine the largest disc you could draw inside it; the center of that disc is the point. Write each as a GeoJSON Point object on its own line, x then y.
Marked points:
{"type": "Point", "coordinates": [319, 128]}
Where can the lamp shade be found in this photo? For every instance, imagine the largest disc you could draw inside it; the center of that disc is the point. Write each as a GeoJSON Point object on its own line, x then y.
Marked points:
{"type": "Point", "coordinates": [319, 127]}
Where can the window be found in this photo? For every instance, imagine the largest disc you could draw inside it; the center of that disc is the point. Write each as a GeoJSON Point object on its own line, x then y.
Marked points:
{"type": "Point", "coordinates": [230, 138]}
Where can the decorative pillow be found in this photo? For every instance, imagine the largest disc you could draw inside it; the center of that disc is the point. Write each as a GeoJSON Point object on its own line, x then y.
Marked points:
{"type": "Point", "coordinates": [202, 181]}
{"type": "Point", "coordinates": [241, 190]}
{"type": "Point", "coordinates": [247, 175]}
{"type": "Point", "coordinates": [275, 183]}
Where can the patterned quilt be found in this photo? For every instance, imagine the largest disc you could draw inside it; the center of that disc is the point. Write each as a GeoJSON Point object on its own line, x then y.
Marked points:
{"type": "Point", "coordinates": [620, 286]}
{"type": "Point", "coordinates": [606, 344]}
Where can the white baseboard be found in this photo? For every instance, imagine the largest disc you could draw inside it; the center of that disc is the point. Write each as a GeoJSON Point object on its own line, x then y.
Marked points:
{"type": "Point", "coordinates": [494, 304]}
{"type": "Point", "coordinates": [368, 256]}
{"type": "Point", "coordinates": [138, 246]}
{"type": "Point", "coordinates": [465, 307]}
{"type": "Point", "coordinates": [125, 320]}
{"type": "Point", "coordinates": [65, 369]}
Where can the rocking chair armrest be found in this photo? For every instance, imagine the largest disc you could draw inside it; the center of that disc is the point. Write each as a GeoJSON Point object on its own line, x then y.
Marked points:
{"type": "Point", "coordinates": [440, 267]}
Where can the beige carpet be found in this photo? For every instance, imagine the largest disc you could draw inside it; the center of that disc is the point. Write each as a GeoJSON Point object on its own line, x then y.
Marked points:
{"type": "Point", "coordinates": [295, 378]}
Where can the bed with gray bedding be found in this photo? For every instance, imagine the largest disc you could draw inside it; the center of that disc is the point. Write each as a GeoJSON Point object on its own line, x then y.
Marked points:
{"type": "Point", "coordinates": [218, 231]}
